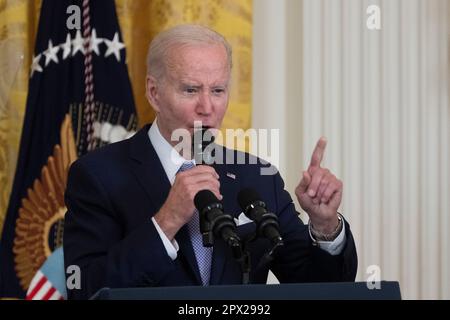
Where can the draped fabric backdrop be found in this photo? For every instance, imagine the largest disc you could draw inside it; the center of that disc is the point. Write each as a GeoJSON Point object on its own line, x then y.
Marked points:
{"type": "Point", "coordinates": [382, 99]}
{"type": "Point", "coordinates": [18, 27]}
{"type": "Point", "coordinates": [140, 20]}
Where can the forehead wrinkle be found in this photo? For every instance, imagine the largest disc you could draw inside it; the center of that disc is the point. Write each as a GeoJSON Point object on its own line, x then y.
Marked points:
{"type": "Point", "coordinates": [177, 66]}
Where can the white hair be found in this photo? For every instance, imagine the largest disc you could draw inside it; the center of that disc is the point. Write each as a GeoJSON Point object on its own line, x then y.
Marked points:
{"type": "Point", "coordinates": [186, 34]}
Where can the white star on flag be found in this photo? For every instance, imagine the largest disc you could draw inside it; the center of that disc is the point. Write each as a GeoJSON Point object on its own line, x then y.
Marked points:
{"type": "Point", "coordinates": [114, 47]}
{"type": "Point", "coordinates": [67, 47]}
{"type": "Point", "coordinates": [78, 44]}
{"type": "Point", "coordinates": [35, 66]}
{"type": "Point", "coordinates": [51, 53]}
{"type": "Point", "coordinates": [95, 42]}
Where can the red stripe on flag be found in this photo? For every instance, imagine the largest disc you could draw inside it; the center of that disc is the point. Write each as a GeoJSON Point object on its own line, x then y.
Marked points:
{"type": "Point", "coordinates": [49, 293]}
{"type": "Point", "coordinates": [36, 288]}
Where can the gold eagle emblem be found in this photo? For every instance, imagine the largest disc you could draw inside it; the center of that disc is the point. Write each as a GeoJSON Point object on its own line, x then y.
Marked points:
{"type": "Point", "coordinates": [41, 214]}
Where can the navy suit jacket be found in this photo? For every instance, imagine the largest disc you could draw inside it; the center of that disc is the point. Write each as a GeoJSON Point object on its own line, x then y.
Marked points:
{"type": "Point", "coordinates": [113, 192]}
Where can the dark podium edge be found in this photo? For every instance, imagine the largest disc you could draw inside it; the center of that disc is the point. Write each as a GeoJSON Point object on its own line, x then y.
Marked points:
{"type": "Point", "coordinates": [389, 290]}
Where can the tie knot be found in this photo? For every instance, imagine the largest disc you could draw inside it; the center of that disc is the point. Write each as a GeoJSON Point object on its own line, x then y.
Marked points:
{"type": "Point", "coordinates": [186, 166]}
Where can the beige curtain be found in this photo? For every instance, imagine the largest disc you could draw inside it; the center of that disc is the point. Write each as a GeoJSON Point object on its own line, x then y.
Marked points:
{"type": "Point", "coordinates": [381, 96]}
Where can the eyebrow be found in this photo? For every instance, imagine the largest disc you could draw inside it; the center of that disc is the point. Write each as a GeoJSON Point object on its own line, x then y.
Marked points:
{"type": "Point", "coordinates": [197, 86]}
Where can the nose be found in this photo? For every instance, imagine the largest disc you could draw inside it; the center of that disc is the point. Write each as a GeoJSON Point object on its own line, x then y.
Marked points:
{"type": "Point", "coordinates": [204, 105]}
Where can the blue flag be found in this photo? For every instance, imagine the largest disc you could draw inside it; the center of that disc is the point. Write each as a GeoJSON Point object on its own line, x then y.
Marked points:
{"type": "Point", "coordinates": [79, 99]}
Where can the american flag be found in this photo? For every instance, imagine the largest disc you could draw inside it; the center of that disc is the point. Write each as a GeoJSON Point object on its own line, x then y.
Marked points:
{"type": "Point", "coordinates": [42, 289]}
{"type": "Point", "coordinates": [49, 283]}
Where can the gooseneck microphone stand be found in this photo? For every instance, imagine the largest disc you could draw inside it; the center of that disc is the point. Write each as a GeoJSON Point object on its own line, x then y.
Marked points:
{"type": "Point", "coordinates": [224, 226]}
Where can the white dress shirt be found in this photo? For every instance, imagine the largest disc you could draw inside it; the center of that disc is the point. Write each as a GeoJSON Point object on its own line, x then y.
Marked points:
{"type": "Point", "coordinates": [171, 161]}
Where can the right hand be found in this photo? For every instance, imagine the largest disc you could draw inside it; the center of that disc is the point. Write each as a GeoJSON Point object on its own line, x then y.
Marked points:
{"type": "Point", "coordinates": [179, 206]}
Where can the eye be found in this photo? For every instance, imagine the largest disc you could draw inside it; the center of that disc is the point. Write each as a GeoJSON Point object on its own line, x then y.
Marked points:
{"type": "Point", "coordinates": [218, 91]}
{"type": "Point", "coordinates": [190, 90]}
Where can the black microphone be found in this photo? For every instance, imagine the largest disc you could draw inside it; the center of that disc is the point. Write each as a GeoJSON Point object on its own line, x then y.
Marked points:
{"type": "Point", "coordinates": [214, 222]}
{"type": "Point", "coordinates": [199, 144]}
{"type": "Point", "coordinates": [255, 209]}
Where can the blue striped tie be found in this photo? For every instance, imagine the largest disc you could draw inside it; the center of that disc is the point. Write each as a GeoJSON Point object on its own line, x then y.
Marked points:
{"type": "Point", "coordinates": [203, 255]}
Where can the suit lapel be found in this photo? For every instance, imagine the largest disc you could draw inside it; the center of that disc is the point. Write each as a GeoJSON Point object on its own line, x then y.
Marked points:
{"type": "Point", "coordinates": [150, 173]}
{"type": "Point", "coordinates": [148, 169]}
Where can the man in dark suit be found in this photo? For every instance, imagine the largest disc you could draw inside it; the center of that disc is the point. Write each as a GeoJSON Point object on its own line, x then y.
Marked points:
{"type": "Point", "coordinates": [131, 219]}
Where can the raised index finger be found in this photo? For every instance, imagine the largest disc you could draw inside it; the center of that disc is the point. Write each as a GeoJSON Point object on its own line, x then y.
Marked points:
{"type": "Point", "coordinates": [318, 152]}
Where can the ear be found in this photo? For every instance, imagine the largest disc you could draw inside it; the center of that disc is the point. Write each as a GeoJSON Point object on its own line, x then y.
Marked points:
{"type": "Point", "coordinates": [151, 92]}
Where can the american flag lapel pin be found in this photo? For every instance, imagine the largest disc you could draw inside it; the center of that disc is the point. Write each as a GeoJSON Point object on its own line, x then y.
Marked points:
{"type": "Point", "coordinates": [231, 175]}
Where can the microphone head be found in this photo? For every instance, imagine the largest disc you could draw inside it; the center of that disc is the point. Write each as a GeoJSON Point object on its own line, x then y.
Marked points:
{"type": "Point", "coordinates": [246, 197]}
{"type": "Point", "coordinates": [199, 143]}
{"type": "Point", "coordinates": [205, 198]}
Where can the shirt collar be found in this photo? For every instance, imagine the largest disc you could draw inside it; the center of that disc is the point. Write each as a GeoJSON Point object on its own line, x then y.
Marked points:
{"type": "Point", "coordinates": [170, 159]}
